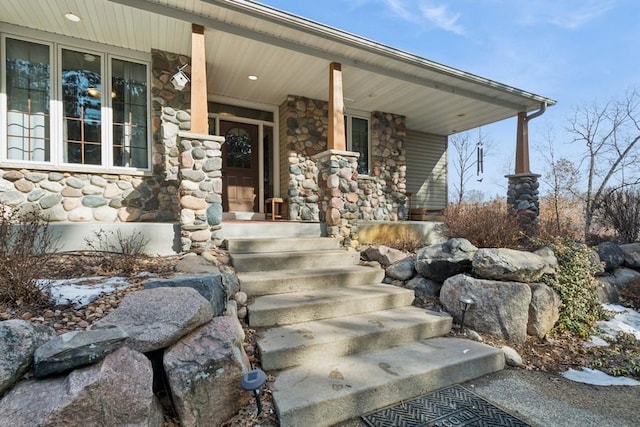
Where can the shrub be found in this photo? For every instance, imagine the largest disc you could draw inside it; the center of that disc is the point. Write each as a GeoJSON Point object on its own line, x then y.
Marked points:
{"type": "Point", "coordinates": [620, 210]}
{"type": "Point", "coordinates": [486, 225]}
{"type": "Point", "coordinates": [561, 218]}
{"type": "Point", "coordinates": [25, 242]}
{"type": "Point", "coordinates": [117, 252]}
{"type": "Point", "coordinates": [576, 284]}
{"type": "Point", "coordinates": [395, 236]}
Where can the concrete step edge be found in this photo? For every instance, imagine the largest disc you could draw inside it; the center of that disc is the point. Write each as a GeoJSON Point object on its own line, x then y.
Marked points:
{"type": "Point", "coordinates": [335, 390]}
{"type": "Point", "coordinates": [291, 345]}
{"type": "Point", "coordinates": [316, 304]}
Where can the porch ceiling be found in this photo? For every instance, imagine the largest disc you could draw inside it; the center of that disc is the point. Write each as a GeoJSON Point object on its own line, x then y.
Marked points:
{"type": "Point", "coordinates": [289, 54]}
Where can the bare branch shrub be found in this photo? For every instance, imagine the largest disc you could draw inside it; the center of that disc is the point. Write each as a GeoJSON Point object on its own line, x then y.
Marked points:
{"type": "Point", "coordinates": [26, 241]}
{"type": "Point", "coordinates": [620, 210]}
{"type": "Point", "coordinates": [561, 217]}
{"type": "Point", "coordinates": [486, 225]}
{"type": "Point", "coordinates": [117, 252]}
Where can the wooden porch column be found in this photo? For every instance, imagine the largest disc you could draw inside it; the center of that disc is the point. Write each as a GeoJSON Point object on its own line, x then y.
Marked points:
{"type": "Point", "coordinates": [336, 109]}
{"type": "Point", "coordinates": [522, 144]}
{"type": "Point", "coordinates": [199, 112]}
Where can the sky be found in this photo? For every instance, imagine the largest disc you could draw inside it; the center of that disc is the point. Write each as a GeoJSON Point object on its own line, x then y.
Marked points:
{"type": "Point", "coordinates": [574, 51]}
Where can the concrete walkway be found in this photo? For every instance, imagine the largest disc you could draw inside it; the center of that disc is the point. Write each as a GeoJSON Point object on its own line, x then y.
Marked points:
{"type": "Point", "coordinates": [543, 399]}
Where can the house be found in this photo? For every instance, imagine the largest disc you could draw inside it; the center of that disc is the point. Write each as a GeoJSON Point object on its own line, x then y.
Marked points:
{"type": "Point", "coordinates": [191, 112]}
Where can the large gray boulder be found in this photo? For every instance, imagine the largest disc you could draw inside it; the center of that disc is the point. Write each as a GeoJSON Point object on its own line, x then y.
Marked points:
{"type": "Point", "coordinates": [544, 310]}
{"type": "Point", "coordinates": [403, 269]}
{"type": "Point", "coordinates": [19, 339]}
{"type": "Point", "coordinates": [443, 260]}
{"type": "Point", "coordinates": [611, 283]}
{"type": "Point", "coordinates": [157, 318]}
{"type": "Point", "coordinates": [509, 265]}
{"type": "Point", "coordinates": [210, 286]}
{"type": "Point", "coordinates": [199, 264]}
{"type": "Point", "coordinates": [631, 252]}
{"type": "Point", "coordinates": [549, 257]}
{"type": "Point", "coordinates": [501, 308]}
{"type": "Point", "coordinates": [74, 349]}
{"type": "Point", "coordinates": [114, 392]}
{"type": "Point", "coordinates": [383, 254]}
{"type": "Point", "coordinates": [423, 287]}
{"type": "Point", "coordinates": [611, 254]}
{"type": "Point", "coordinates": [204, 370]}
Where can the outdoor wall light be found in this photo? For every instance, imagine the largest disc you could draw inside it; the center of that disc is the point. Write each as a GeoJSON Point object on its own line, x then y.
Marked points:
{"type": "Point", "coordinates": [253, 381]}
{"type": "Point", "coordinates": [465, 303]}
{"type": "Point", "coordinates": [180, 79]}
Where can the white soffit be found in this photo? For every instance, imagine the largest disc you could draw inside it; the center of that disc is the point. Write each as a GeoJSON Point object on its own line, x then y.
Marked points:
{"type": "Point", "coordinates": [288, 53]}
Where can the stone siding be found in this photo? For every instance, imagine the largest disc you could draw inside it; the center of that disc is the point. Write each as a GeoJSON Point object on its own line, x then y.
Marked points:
{"type": "Point", "coordinates": [381, 196]}
{"type": "Point", "coordinates": [523, 199]}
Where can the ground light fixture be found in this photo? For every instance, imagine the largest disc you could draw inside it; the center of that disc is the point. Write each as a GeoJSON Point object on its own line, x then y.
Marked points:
{"type": "Point", "coordinates": [465, 303]}
{"type": "Point", "coordinates": [180, 79]}
{"type": "Point", "coordinates": [253, 381]}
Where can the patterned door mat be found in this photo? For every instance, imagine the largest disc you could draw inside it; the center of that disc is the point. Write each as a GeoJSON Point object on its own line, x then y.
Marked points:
{"type": "Point", "coordinates": [452, 406]}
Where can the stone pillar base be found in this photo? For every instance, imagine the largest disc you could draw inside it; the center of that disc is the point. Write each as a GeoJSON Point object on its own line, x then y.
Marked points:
{"type": "Point", "coordinates": [338, 182]}
{"type": "Point", "coordinates": [522, 198]}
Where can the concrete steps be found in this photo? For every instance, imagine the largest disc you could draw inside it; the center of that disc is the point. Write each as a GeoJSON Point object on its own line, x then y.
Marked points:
{"type": "Point", "coordinates": [258, 261]}
{"type": "Point", "coordinates": [316, 304]}
{"type": "Point", "coordinates": [342, 343]}
{"type": "Point", "coordinates": [284, 281]}
{"type": "Point", "coordinates": [299, 244]}
{"type": "Point", "coordinates": [307, 342]}
{"type": "Point", "coordinates": [336, 389]}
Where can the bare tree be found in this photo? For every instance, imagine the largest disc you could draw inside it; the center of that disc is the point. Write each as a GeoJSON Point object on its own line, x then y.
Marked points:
{"type": "Point", "coordinates": [610, 134]}
{"type": "Point", "coordinates": [561, 178]}
{"type": "Point", "coordinates": [468, 156]}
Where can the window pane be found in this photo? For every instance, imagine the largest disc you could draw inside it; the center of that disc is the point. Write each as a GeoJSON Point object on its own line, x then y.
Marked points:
{"type": "Point", "coordinates": [130, 113]}
{"type": "Point", "coordinates": [28, 90]}
{"type": "Point", "coordinates": [360, 142]}
{"type": "Point", "coordinates": [238, 149]}
{"type": "Point", "coordinates": [81, 97]}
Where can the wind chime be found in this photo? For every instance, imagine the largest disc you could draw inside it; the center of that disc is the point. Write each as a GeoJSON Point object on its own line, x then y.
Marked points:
{"type": "Point", "coordinates": [479, 157]}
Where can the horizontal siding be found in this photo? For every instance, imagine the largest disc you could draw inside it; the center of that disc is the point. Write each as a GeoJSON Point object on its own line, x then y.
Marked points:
{"type": "Point", "coordinates": [426, 169]}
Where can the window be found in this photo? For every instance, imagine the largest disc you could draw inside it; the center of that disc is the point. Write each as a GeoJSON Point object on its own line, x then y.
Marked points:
{"type": "Point", "coordinates": [357, 130]}
{"type": "Point", "coordinates": [74, 107]}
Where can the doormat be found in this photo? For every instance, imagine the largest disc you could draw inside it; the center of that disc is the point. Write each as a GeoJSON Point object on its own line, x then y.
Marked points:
{"type": "Point", "coordinates": [452, 406]}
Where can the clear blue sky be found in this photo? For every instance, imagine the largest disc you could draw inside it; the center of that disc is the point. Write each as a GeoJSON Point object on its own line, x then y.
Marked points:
{"type": "Point", "coordinates": [574, 51]}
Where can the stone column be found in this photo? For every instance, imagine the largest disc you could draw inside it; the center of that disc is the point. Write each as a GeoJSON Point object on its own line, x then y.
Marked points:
{"type": "Point", "coordinates": [200, 190]}
{"type": "Point", "coordinates": [522, 198]}
{"type": "Point", "coordinates": [338, 192]}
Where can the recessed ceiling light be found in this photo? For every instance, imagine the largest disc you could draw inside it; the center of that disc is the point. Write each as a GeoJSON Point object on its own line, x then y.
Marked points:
{"type": "Point", "coordinates": [253, 77]}
{"type": "Point", "coordinates": [72, 17]}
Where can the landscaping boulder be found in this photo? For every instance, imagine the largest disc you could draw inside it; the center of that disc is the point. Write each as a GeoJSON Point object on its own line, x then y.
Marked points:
{"type": "Point", "coordinates": [205, 369]}
{"type": "Point", "coordinates": [611, 283]}
{"type": "Point", "coordinates": [423, 287]}
{"type": "Point", "coordinates": [74, 349]}
{"type": "Point", "coordinates": [500, 308]}
{"type": "Point", "coordinates": [384, 255]}
{"type": "Point", "coordinates": [19, 339]}
{"type": "Point", "coordinates": [157, 318]}
{"type": "Point", "coordinates": [631, 252]}
{"type": "Point", "coordinates": [208, 285]}
{"type": "Point", "coordinates": [509, 265]}
{"type": "Point", "coordinates": [114, 392]}
{"type": "Point", "coordinates": [544, 310]}
{"type": "Point", "coordinates": [403, 269]}
{"type": "Point", "coordinates": [443, 260]}
{"type": "Point", "coordinates": [611, 255]}
{"type": "Point", "coordinates": [546, 253]}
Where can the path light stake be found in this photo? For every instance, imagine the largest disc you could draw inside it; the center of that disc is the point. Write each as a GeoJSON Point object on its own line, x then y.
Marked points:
{"type": "Point", "coordinates": [465, 303]}
{"type": "Point", "coordinates": [253, 381]}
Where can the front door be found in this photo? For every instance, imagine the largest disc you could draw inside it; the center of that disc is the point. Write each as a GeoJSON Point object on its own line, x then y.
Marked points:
{"type": "Point", "coordinates": [239, 167]}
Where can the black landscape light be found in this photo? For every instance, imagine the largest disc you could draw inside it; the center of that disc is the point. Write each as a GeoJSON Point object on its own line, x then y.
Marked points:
{"type": "Point", "coordinates": [253, 381]}
{"type": "Point", "coordinates": [465, 303]}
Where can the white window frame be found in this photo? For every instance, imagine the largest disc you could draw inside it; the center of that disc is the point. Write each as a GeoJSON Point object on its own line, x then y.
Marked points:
{"type": "Point", "coordinates": [106, 53]}
{"type": "Point", "coordinates": [349, 116]}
